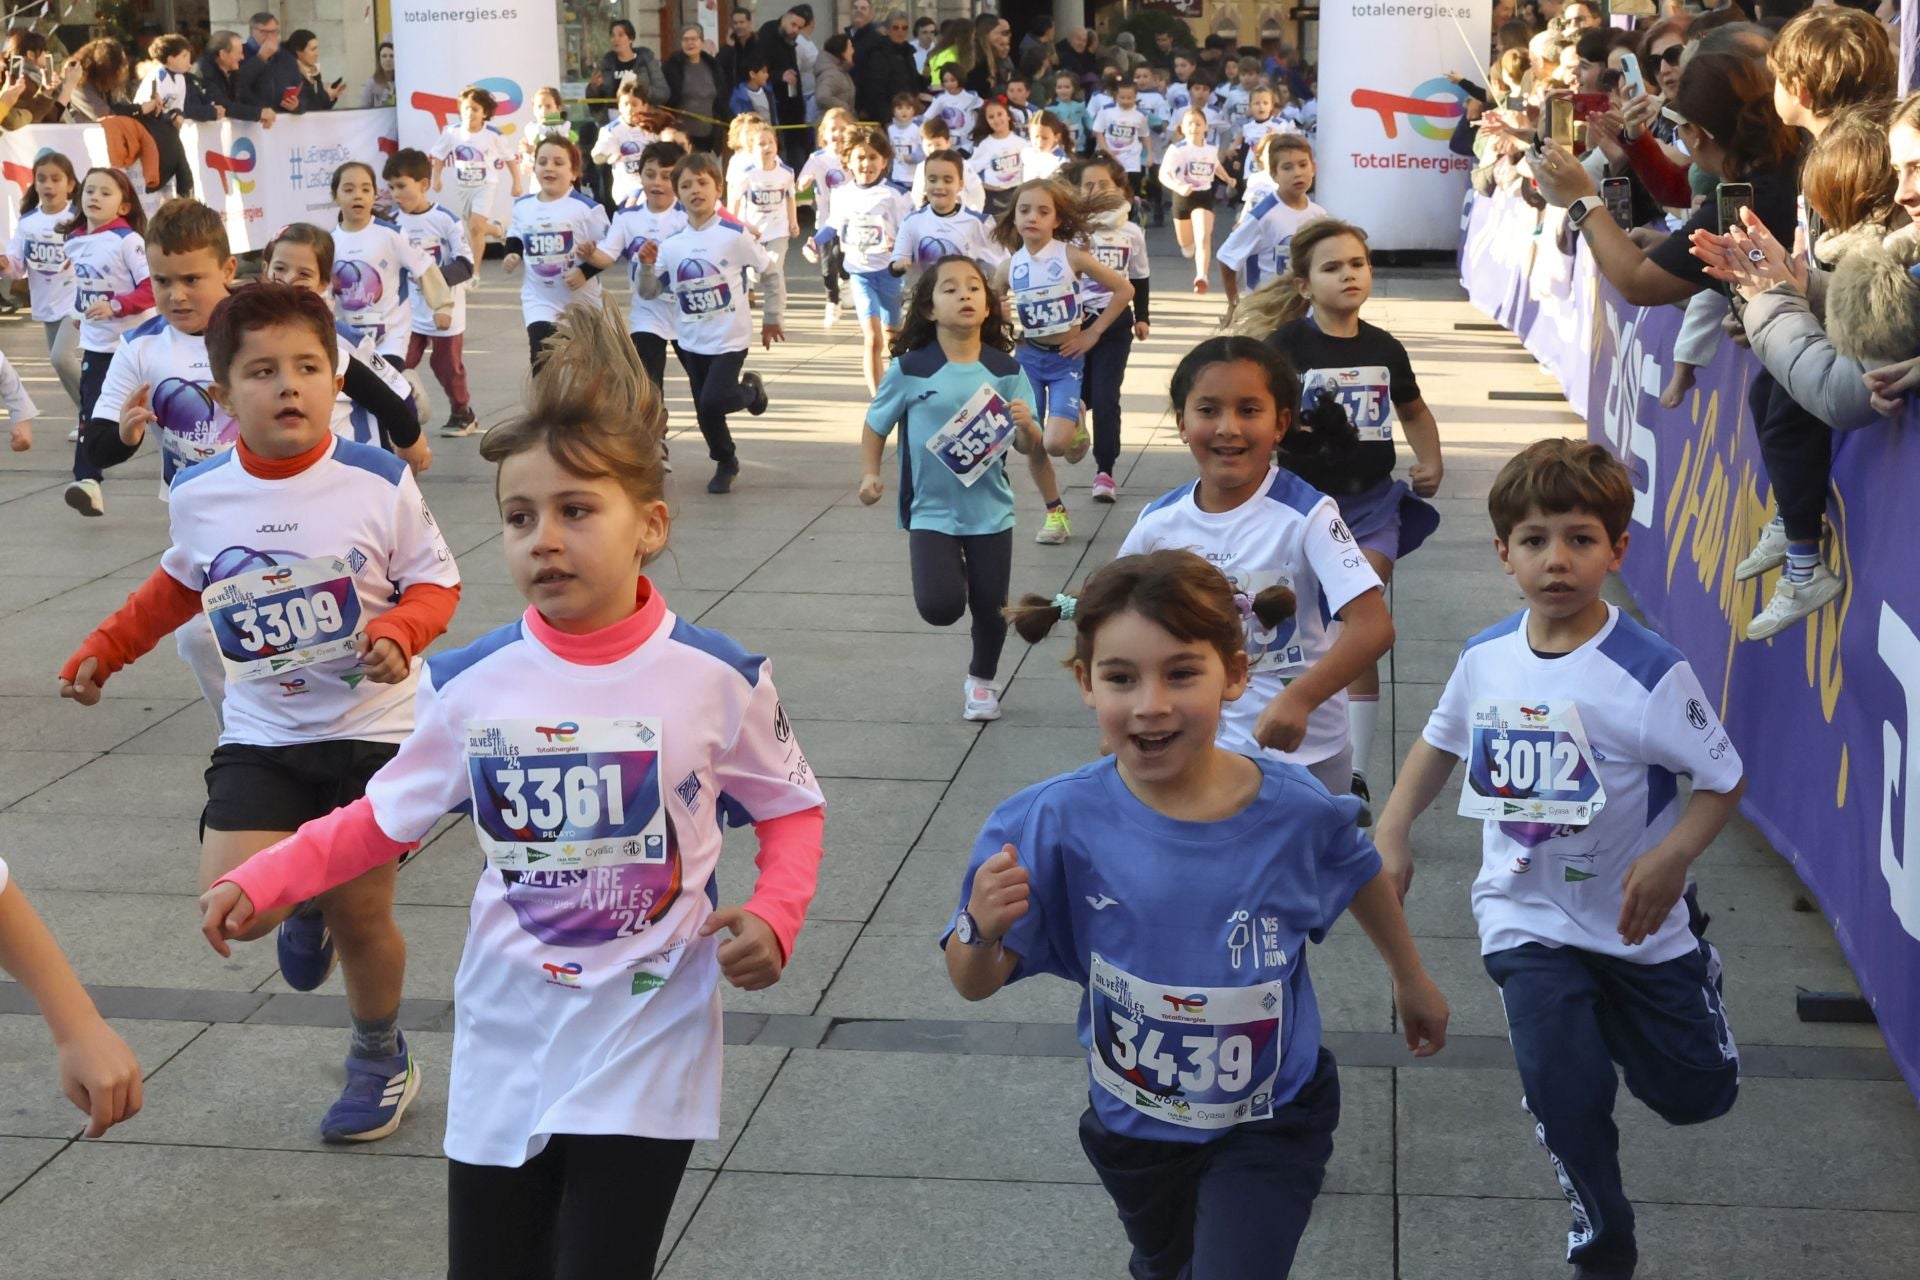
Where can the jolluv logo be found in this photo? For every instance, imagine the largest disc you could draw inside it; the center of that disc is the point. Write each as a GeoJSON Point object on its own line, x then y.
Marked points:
{"type": "Point", "coordinates": [442, 108]}
{"type": "Point", "coordinates": [230, 165]}
{"type": "Point", "coordinates": [1431, 108]}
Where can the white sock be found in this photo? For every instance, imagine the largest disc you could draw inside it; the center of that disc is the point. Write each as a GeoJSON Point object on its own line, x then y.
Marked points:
{"type": "Point", "coordinates": [1363, 713]}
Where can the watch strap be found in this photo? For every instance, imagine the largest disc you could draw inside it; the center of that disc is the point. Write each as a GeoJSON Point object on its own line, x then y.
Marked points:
{"type": "Point", "coordinates": [1580, 210]}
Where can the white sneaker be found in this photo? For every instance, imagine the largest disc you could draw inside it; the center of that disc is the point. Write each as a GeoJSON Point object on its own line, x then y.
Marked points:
{"type": "Point", "coordinates": [982, 700]}
{"type": "Point", "coordinates": [73, 436]}
{"type": "Point", "coordinates": [85, 497]}
{"type": "Point", "coordinates": [1768, 553]}
{"type": "Point", "coordinates": [1793, 601]}
{"type": "Point", "coordinates": [832, 316]}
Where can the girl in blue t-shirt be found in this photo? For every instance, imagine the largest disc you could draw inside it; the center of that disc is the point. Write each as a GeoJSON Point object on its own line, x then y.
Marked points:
{"type": "Point", "coordinates": [961, 400]}
{"type": "Point", "coordinates": [1179, 883]}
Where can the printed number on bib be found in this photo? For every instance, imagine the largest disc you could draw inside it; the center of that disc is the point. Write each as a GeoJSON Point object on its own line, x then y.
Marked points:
{"type": "Point", "coordinates": [470, 173]}
{"type": "Point", "coordinates": [866, 235]}
{"type": "Point", "coordinates": [1362, 392]}
{"type": "Point", "coordinates": [1047, 310]}
{"type": "Point", "coordinates": [559, 795]}
{"type": "Point", "coordinates": [1201, 1058]}
{"type": "Point", "coordinates": [46, 255]}
{"type": "Point", "coordinates": [1531, 762]}
{"type": "Point", "coordinates": [703, 298]}
{"type": "Point", "coordinates": [284, 617]}
{"type": "Point", "coordinates": [87, 296]}
{"type": "Point", "coordinates": [974, 437]}
{"type": "Point", "coordinates": [549, 246]}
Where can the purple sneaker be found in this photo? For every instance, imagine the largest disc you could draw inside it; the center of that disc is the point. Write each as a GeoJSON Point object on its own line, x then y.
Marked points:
{"type": "Point", "coordinates": [377, 1093]}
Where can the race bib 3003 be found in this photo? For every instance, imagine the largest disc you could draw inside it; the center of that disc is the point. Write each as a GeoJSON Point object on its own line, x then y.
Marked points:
{"type": "Point", "coordinates": [282, 618]}
{"type": "Point", "coordinates": [563, 794]}
{"type": "Point", "coordinates": [1531, 762]}
{"type": "Point", "coordinates": [1201, 1058]}
{"type": "Point", "coordinates": [972, 438]}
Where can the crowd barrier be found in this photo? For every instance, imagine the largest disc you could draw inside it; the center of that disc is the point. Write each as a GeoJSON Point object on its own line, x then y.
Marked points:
{"type": "Point", "coordinates": [260, 179]}
{"type": "Point", "coordinates": [1826, 716]}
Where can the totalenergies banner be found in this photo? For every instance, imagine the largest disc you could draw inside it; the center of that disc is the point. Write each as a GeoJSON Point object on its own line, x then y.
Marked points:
{"type": "Point", "coordinates": [1387, 111]}
{"type": "Point", "coordinates": [440, 47]}
{"type": "Point", "coordinates": [1826, 716]}
{"type": "Point", "coordinates": [260, 179]}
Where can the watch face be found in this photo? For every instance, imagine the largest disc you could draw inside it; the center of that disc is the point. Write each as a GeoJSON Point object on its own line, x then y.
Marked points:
{"type": "Point", "coordinates": [963, 929]}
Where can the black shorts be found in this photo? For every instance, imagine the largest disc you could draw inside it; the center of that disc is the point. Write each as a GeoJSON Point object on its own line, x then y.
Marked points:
{"type": "Point", "coordinates": [278, 788]}
{"type": "Point", "coordinates": [1183, 206]}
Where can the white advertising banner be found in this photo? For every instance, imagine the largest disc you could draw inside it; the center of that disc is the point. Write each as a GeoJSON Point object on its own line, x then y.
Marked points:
{"type": "Point", "coordinates": [440, 47]}
{"type": "Point", "coordinates": [1387, 110]}
{"type": "Point", "coordinates": [259, 179]}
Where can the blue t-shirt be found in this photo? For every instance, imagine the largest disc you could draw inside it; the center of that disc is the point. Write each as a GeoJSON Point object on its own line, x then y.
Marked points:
{"type": "Point", "coordinates": [928, 390]}
{"type": "Point", "coordinates": [1189, 935]}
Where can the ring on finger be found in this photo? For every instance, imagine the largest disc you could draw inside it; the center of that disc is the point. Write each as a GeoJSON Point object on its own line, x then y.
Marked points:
{"type": "Point", "coordinates": [1755, 256]}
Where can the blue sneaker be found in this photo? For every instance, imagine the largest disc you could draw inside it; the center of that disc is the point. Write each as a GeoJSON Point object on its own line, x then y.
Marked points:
{"type": "Point", "coordinates": [306, 948]}
{"type": "Point", "coordinates": [377, 1093]}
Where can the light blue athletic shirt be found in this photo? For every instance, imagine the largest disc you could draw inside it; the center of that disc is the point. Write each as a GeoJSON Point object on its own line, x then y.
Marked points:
{"type": "Point", "coordinates": [927, 389]}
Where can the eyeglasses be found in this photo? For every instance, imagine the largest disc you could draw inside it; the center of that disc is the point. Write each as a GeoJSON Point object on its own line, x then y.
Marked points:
{"type": "Point", "coordinates": [1672, 56]}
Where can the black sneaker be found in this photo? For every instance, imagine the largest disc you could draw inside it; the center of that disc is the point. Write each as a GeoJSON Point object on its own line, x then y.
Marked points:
{"type": "Point", "coordinates": [757, 405]}
{"type": "Point", "coordinates": [1359, 789]}
{"type": "Point", "coordinates": [723, 475]}
{"type": "Point", "coordinates": [460, 422]}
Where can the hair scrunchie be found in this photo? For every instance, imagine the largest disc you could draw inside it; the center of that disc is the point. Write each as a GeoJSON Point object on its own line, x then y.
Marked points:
{"type": "Point", "coordinates": [1066, 604]}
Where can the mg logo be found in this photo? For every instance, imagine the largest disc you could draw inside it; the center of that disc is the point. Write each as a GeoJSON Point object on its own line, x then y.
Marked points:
{"type": "Point", "coordinates": [1900, 773]}
{"type": "Point", "coordinates": [231, 166]}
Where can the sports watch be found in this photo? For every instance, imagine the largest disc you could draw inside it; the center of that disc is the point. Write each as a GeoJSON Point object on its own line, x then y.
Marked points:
{"type": "Point", "coordinates": [1580, 209]}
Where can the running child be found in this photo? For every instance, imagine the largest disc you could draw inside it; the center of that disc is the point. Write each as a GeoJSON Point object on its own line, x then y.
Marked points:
{"type": "Point", "coordinates": [944, 225]}
{"type": "Point", "coordinates": [1153, 105]}
{"type": "Point", "coordinates": [865, 221]}
{"type": "Point", "coordinates": [1586, 922]}
{"type": "Point", "coordinates": [437, 234]}
{"type": "Point", "coordinates": [112, 294]}
{"type": "Point", "coordinates": [1019, 103]}
{"type": "Point", "coordinates": [934, 137]}
{"type": "Point", "coordinates": [1260, 244]}
{"type": "Point", "coordinates": [956, 107]}
{"type": "Point", "coordinates": [549, 121]}
{"type": "Point", "coordinates": [1120, 131]}
{"type": "Point", "coordinates": [636, 234]}
{"type": "Point", "coordinates": [38, 251]}
{"type": "Point", "coordinates": [621, 141]}
{"type": "Point", "coordinates": [1263, 118]}
{"type": "Point", "coordinates": [550, 229]}
{"type": "Point", "coordinates": [1045, 154]}
{"type": "Point", "coordinates": [739, 154]}
{"type": "Point", "coordinates": [1118, 243]}
{"type": "Point", "coordinates": [1262, 526]}
{"type": "Point", "coordinates": [1041, 282]}
{"type": "Point", "coordinates": [479, 156]}
{"type": "Point", "coordinates": [318, 625]}
{"type": "Point", "coordinates": [762, 200]}
{"type": "Point", "coordinates": [376, 266]}
{"type": "Point", "coordinates": [1259, 180]}
{"type": "Point", "coordinates": [1189, 169]}
{"type": "Point", "coordinates": [1071, 110]}
{"type": "Point", "coordinates": [1312, 317]}
{"type": "Point", "coordinates": [824, 173]}
{"type": "Point", "coordinates": [700, 267]}
{"type": "Point", "coordinates": [903, 134]}
{"type": "Point", "coordinates": [996, 156]}
{"type": "Point", "coordinates": [961, 401]}
{"type": "Point", "coordinates": [571, 1118]}
{"type": "Point", "coordinates": [1180, 883]}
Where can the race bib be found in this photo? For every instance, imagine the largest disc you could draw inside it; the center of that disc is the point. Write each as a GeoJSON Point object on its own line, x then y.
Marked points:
{"type": "Point", "coordinates": [47, 256]}
{"type": "Point", "coordinates": [1200, 1058]}
{"type": "Point", "coordinates": [972, 438]}
{"type": "Point", "coordinates": [866, 235]}
{"type": "Point", "coordinates": [549, 246]}
{"type": "Point", "coordinates": [631, 166]}
{"type": "Point", "coordinates": [1112, 255]}
{"type": "Point", "coordinates": [704, 297]}
{"type": "Point", "coordinates": [1199, 174]}
{"type": "Point", "coordinates": [1006, 168]}
{"type": "Point", "coordinates": [567, 794]}
{"type": "Point", "coordinates": [470, 173]}
{"type": "Point", "coordinates": [767, 197]}
{"type": "Point", "coordinates": [1363, 392]}
{"type": "Point", "coordinates": [90, 294]}
{"type": "Point", "coordinates": [283, 618]}
{"type": "Point", "coordinates": [1121, 136]}
{"type": "Point", "coordinates": [1048, 309]}
{"type": "Point", "coordinates": [1531, 763]}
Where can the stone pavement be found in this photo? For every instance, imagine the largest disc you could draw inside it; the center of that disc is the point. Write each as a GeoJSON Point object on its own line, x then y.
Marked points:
{"type": "Point", "coordinates": [875, 1124]}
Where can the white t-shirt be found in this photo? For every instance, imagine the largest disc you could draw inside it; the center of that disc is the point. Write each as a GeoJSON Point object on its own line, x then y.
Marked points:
{"type": "Point", "coordinates": [619, 147]}
{"type": "Point", "coordinates": [1253, 130]}
{"type": "Point", "coordinates": [1126, 135]}
{"type": "Point", "coordinates": [868, 220]}
{"type": "Point", "coordinates": [1287, 534]}
{"type": "Point", "coordinates": [1187, 169]}
{"type": "Point", "coordinates": [926, 237]}
{"type": "Point", "coordinates": [704, 271]}
{"type": "Point", "coordinates": [39, 249]}
{"type": "Point", "coordinates": [351, 420]}
{"type": "Point", "coordinates": [1257, 187]}
{"type": "Point", "coordinates": [374, 271]}
{"type": "Point", "coordinates": [472, 159]}
{"type": "Point", "coordinates": [106, 263]}
{"type": "Point", "coordinates": [632, 228]}
{"type": "Point", "coordinates": [762, 196]}
{"type": "Point", "coordinates": [957, 111]}
{"type": "Point", "coordinates": [1119, 243]}
{"type": "Point", "coordinates": [973, 196]}
{"type": "Point", "coordinates": [1260, 244]}
{"type": "Point", "coordinates": [549, 231]}
{"type": "Point", "coordinates": [909, 149]}
{"type": "Point", "coordinates": [173, 366]}
{"type": "Point", "coordinates": [822, 170]}
{"type": "Point", "coordinates": [585, 1001]}
{"type": "Point", "coordinates": [1157, 111]}
{"type": "Point", "coordinates": [1036, 164]}
{"type": "Point", "coordinates": [168, 86]}
{"type": "Point", "coordinates": [1646, 720]}
{"type": "Point", "coordinates": [440, 236]}
{"type": "Point", "coordinates": [1234, 105]}
{"type": "Point", "coordinates": [998, 161]}
{"type": "Point", "coordinates": [358, 503]}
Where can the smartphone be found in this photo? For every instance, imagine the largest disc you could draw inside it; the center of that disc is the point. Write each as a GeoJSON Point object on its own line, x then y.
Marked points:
{"type": "Point", "coordinates": [1516, 103]}
{"type": "Point", "coordinates": [1733, 197]}
{"type": "Point", "coordinates": [1560, 121]}
{"type": "Point", "coordinates": [339, 84]}
{"type": "Point", "coordinates": [1617, 195]}
{"type": "Point", "coordinates": [1632, 77]}
{"type": "Point", "coordinates": [16, 67]}
{"type": "Point", "coordinates": [1590, 104]}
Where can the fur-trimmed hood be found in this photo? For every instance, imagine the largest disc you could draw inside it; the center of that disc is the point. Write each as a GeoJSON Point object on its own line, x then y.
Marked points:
{"type": "Point", "coordinates": [1873, 303]}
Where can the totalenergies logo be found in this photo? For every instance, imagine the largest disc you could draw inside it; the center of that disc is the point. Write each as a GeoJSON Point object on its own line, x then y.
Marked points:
{"type": "Point", "coordinates": [562, 732]}
{"type": "Point", "coordinates": [1432, 108]}
{"type": "Point", "coordinates": [231, 165]}
{"type": "Point", "coordinates": [563, 975]}
{"type": "Point", "coordinates": [506, 94]}
{"type": "Point", "coordinates": [277, 575]}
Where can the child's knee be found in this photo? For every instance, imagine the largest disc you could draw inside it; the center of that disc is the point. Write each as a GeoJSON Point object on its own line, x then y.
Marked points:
{"type": "Point", "coordinates": [1694, 1096]}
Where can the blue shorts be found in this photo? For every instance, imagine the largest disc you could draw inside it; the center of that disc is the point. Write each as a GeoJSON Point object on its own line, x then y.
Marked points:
{"type": "Point", "coordinates": [877, 293]}
{"type": "Point", "coordinates": [1055, 378]}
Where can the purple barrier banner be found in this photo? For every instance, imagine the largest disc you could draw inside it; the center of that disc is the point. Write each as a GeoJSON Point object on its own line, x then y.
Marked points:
{"type": "Point", "coordinates": [1826, 716]}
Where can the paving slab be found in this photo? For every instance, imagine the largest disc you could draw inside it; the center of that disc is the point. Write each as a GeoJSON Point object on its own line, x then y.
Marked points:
{"type": "Point", "coordinates": [31, 1104]}
{"type": "Point", "coordinates": [21, 1158]}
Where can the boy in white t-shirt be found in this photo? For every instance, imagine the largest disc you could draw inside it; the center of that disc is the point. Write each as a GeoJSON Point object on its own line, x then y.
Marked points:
{"type": "Point", "coordinates": [438, 233]}
{"type": "Point", "coordinates": [903, 134]}
{"type": "Point", "coordinates": [1122, 131]}
{"type": "Point", "coordinates": [1575, 720]}
{"type": "Point", "coordinates": [620, 144]}
{"type": "Point", "coordinates": [478, 155]}
{"type": "Point", "coordinates": [1258, 246]}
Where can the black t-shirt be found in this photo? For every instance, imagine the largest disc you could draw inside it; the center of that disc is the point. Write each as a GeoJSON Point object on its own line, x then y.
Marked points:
{"type": "Point", "coordinates": [1776, 200]}
{"type": "Point", "coordinates": [1370, 375]}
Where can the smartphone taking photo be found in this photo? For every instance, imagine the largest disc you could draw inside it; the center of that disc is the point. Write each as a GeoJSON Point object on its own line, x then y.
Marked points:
{"type": "Point", "coordinates": [1732, 197]}
{"type": "Point", "coordinates": [1617, 195]}
{"type": "Point", "coordinates": [1560, 121]}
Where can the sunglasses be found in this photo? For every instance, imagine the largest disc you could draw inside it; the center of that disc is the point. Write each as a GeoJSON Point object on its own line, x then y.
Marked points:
{"type": "Point", "coordinates": [1672, 56]}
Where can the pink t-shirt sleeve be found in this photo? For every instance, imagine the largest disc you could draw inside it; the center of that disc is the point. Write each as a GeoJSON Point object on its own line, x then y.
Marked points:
{"type": "Point", "coordinates": [789, 862]}
{"type": "Point", "coordinates": [326, 852]}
